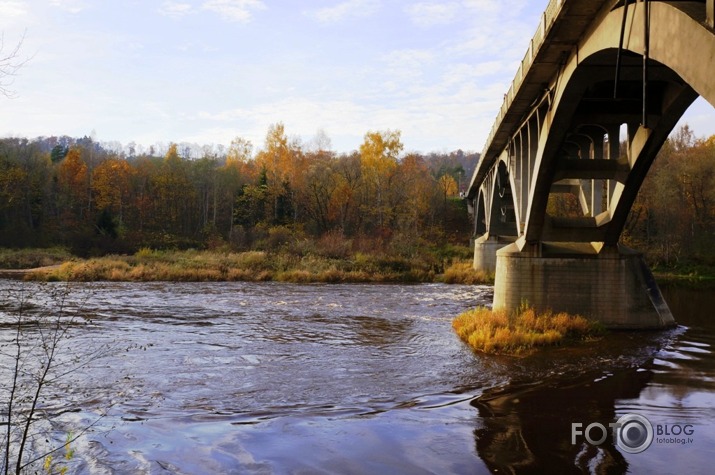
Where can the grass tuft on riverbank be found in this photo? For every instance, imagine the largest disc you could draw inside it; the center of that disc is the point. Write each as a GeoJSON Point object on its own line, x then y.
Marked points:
{"type": "Point", "coordinates": [520, 332]}
{"type": "Point", "coordinates": [462, 272]}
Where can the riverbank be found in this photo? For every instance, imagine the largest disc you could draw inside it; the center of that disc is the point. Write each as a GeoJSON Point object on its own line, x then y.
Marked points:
{"type": "Point", "coordinates": [252, 266]}
{"type": "Point", "coordinates": [20, 260]}
{"type": "Point", "coordinates": [453, 267]}
{"type": "Point", "coordinates": [694, 277]}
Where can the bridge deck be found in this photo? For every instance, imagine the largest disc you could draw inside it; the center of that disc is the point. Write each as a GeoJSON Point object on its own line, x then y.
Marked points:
{"type": "Point", "coordinates": [562, 25]}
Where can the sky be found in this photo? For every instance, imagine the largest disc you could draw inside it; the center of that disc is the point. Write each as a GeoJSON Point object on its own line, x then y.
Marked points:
{"type": "Point", "coordinates": [208, 71]}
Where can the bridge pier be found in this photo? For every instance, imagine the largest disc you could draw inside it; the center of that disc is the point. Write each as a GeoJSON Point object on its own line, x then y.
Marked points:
{"type": "Point", "coordinates": [485, 252]}
{"type": "Point", "coordinates": [553, 170]}
{"type": "Point", "coordinates": [611, 285]}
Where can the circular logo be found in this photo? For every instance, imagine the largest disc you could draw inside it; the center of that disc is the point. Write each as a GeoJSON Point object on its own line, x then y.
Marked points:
{"type": "Point", "coordinates": [634, 433]}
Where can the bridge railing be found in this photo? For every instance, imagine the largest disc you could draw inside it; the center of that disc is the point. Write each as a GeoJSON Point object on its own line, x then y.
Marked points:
{"type": "Point", "coordinates": [537, 40]}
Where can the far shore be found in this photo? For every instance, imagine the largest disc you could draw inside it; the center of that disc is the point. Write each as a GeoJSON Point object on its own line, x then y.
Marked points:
{"type": "Point", "coordinates": [193, 265]}
{"type": "Point", "coordinates": [205, 266]}
{"type": "Point", "coordinates": [21, 273]}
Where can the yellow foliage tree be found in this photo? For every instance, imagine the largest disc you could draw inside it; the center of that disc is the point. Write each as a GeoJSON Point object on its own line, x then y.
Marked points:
{"type": "Point", "coordinates": [174, 191]}
{"type": "Point", "coordinates": [447, 186]}
{"type": "Point", "coordinates": [378, 158]}
{"type": "Point", "coordinates": [13, 179]}
{"type": "Point", "coordinates": [111, 185]}
{"type": "Point", "coordinates": [417, 187]}
{"type": "Point", "coordinates": [275, 157]}
{"type": "Point", "coordinates": [240, 151]}
{"type": "Point", "coordinates": [236, 171]}
{"type": "Point", "coordinates": [284, 167]}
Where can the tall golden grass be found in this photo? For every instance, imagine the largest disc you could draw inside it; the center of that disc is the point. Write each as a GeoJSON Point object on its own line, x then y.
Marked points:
{"type": "Point", "coordinates": [462, 272]}
{"type": "Point", "coordinates": [501, 332]}
{"type": "Point", "coordinates": [198, 266]}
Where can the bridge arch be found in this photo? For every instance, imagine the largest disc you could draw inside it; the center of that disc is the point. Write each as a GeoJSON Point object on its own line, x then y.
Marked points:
{"type": "Point", "coordinates": [502, 216]}
{"type": "Point", "coordinates": [480, 215]}
{"type": "Point", "coordinates": [578, 91]}
{"type": "Point", "coordinates": [582, 106]}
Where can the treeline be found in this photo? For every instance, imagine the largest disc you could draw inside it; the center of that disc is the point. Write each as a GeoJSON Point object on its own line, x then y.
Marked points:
{"type": "Point", "coordinates": [98, 199]}
{"type": "Point", "coordinates": [673, 218]}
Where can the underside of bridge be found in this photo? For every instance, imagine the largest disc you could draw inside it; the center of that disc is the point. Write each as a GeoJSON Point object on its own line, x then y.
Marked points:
{"type": "Point", "coordinates": [566, 160]}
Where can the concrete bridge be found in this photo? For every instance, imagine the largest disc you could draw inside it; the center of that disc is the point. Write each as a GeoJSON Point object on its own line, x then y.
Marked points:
{"type": "Point", "coordinates": [555, 184]}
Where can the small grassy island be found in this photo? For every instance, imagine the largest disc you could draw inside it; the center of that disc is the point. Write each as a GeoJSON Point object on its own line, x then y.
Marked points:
{"type": "Point", "coordinates": [521, 332]}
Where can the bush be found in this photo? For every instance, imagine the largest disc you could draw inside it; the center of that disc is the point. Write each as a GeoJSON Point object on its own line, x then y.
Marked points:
{"type": "Point", "coordinates": [333, 244]}
{"type": "Point", "coordinates": [278, 237]}
{"type": "Point", "coordinates": [251, 260]}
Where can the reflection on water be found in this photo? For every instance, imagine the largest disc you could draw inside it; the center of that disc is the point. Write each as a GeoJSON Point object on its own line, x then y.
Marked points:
{"type": "Point", "coordinates": [526, 426]}
{"type": "Point", "coordinates": [282, 378]}
{"type": "Point", "coordinates": [527, 429]}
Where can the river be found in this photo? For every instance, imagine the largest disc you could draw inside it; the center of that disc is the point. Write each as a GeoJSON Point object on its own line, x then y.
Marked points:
{"type": "Point", "coordinates": [284, 378]}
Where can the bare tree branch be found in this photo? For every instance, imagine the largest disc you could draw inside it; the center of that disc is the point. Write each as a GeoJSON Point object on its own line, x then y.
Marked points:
{"type": "Point", "coordinates": [10, 64]}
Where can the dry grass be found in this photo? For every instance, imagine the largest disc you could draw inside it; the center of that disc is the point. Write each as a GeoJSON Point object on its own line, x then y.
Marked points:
{"type": "Point", "coordinates": [500, 332]}
{"type": "Point", "coordinates": [129, 270]}
{"type": "Point", "coordinates": [462, 272]}
{"type": "Point", "coordinates": [31, 258]}
{"type": "Point", "coordinates": [198, 266]}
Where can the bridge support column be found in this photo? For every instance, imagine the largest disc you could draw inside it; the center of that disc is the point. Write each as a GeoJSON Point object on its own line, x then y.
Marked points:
{"type": "Point", "coordinates": [613, 286]}
{"type": "Point", "coordinates": [485, 252]}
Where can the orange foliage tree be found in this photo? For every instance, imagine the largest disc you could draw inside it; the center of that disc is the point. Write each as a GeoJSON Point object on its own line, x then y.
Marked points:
{"type": "Point", "coordinates": [73, 186]}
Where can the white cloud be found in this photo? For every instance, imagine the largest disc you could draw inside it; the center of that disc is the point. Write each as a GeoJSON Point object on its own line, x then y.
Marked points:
{"type": "Point", "coordinates": [428, 14]}
{"type": "Point", "coordinates": [451, 114]}
{"type": "Point", "coordinates": [463, 73]}
{"type": "Point", "coordinates": [343, 10]}
{"type": "Point", "coordinates": [484, 6]}
{"type": "Point", "coordinates": [234, 10]}
{"type": "Point", "coordinates": [301, 116]}
{"type": "Point", "coordinates": [408, 58]}
{"type": "Point", "coordinates": [442, 87]}
{"type": "Point", "coordinates": [295, 109]}
{"type": "Point", "coordinates": [506, 41]}
{"type": "Point", "coordinates": [407, 65]}
{"type": "Point", "coordinates": [450, 109]}
{"type": "Point", "coordinates": [12, 9]}
{"type": "Point", "coordinates": [175, 9]}
{"type": "Point", "coordinates": [72, 6]}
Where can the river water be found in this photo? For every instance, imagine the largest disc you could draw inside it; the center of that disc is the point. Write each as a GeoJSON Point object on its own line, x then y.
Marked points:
{"type": "Point", "coordinates": [283, 378]}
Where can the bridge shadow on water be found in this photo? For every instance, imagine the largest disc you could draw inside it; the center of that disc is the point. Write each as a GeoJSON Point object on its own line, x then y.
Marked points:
{"type": "Point", "coordinates": [526, 428]}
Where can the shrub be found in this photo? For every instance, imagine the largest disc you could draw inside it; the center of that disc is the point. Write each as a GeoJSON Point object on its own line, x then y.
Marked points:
{"type": "Point", "coordinates": [278, 237]}
{"type": "Point", "coordinates": [333, 244]}
{"type": "Point", "coordinates": [248, 260]}
{"type": "Point", "coordinates": [147, 253]}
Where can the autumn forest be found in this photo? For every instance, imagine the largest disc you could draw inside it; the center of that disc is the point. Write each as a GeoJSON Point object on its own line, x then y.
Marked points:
{"type": "Point", "coordinates": [95, 200]}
